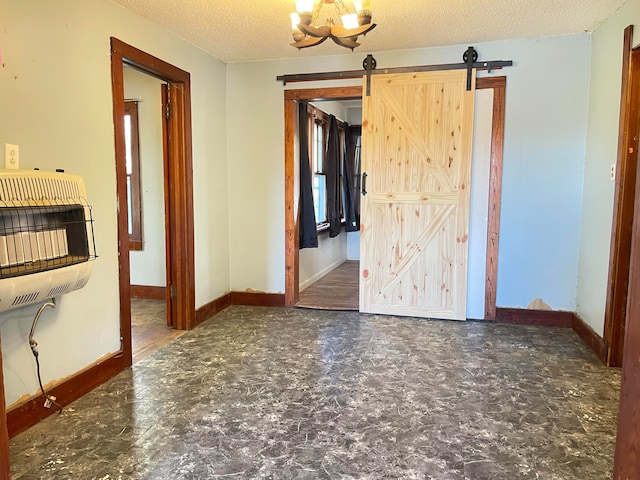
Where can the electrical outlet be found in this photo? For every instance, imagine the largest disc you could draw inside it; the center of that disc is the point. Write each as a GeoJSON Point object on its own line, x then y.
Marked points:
{"type": "Point", "coordinates": [11, 156]}
{"type": "Point", "coordinates": [612, 174]}
{"type": "Point", "coordinates": [49, 401]}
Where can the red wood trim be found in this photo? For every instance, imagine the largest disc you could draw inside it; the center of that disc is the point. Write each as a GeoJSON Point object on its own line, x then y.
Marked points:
{"type": "Point", "coordinates": [29, 413]}
{"type": "Point", "coordinates": [491, 82]}
{"type": "Point", "coordinates": [619, 256]}
{"type": "Point", "coordinates": [594, 341]}
{"type": "Point", "coordinates": [147, 63]}
{"type": "Point", "coordinates": [627, 457]}
{"type": "Point", "coordinates": [554, 318]}
{"type": "Point", "coordinates": [499, 86]}
{"type": "Point", "coordinates": [117, 89]}
{"type": "Point", "coordinates": [523, 316]}
{"type": "Point", "coordinates": [181, 178]}
{"type": "Point", "coordinates": [335, 93]}
{"type": "Point", "coordinates": [5, 471]}
{"type": "Point", "coordinates": [258, 299]}
{"type": "Point", "coordinates": [291, 194]}
{"type": "Point", "coordinates": [212, 308]}
{"type": "Point", "coordinates": [148, 292]}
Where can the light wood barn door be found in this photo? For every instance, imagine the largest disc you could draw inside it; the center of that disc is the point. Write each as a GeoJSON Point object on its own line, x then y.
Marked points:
{"type": "Point", "coordinates": [417, 133]}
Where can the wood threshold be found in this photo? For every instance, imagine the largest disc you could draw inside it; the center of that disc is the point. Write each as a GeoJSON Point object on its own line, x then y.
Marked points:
{"type": "Point", "coordinates": [27, 414]}
{"type": "Point", "coordinates": [498, 84]}
{"type": "Point", "coordinates": [623, 203]}
{"type": "Point", "coordinates": [148, 292]}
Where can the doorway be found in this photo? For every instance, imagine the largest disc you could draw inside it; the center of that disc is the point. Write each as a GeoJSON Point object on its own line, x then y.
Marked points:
{"type": "Point", "coordinates": [145, 121]}
{"type": "Point", "coordinates": [292, 257]}
{"type": "Point", "coordinates": [624, 201]}
{"type": "Point", "coordinates": [179, 292]}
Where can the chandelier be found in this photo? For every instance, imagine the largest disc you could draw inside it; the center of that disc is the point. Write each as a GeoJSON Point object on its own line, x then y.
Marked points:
{"type": "Point", "coordinates": [345, 33]}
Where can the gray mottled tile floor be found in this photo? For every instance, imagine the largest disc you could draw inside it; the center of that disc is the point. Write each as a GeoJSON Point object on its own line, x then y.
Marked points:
{"type": "Point", "coordinates": [300, 394]}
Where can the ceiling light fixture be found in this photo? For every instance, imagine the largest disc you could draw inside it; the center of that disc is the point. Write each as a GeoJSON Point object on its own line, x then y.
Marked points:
{"type": "Point", "coordinates": [345, 33]}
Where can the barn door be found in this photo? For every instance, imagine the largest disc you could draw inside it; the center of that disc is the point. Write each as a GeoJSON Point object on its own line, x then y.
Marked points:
{"type": "Point", "coordinates": [417, 133]}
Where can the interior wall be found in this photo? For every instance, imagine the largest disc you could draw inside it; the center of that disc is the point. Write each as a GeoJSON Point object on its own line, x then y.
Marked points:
{"type": "Point", "coordinates": [479, 203]}
{"type": "Point", "coordinates": [602, 145]}
{"type": "Point", "coordinates": [546, 111]}
{"type": "Point", "coordinates": [354, 117]}
{"type": "Point", "coordinates": [315, 263]}
{"type": "Point", "coordinates": [148, 266]}
{"type": "Point", "coordinates": [55, 86]}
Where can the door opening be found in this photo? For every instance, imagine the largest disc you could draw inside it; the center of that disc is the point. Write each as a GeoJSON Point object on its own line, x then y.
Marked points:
{"type": "Point", "coordinates": [292, 279]}
{"type": "Point", "coordinates": [623, 209]}
{"type": "Point", "coordinates": [177, 173]}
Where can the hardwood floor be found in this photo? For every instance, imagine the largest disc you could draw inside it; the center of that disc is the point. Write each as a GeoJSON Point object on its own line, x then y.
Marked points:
{"type": "Point", "coordinates": [338, 290]}
{"type": "Point", "coordinates": [149, 330]}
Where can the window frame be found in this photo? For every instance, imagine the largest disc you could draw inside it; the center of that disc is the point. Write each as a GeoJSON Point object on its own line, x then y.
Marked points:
{"type": "Point", "coordinates": [318, 116]}
{"type": "Point", "coordinates": [134, 194]}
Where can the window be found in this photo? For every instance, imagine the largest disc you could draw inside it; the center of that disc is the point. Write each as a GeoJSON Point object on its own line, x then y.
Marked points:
{"type": "Point", "coordinates": [132, 153]}
{"type": "Point", "coordinates": [319, 132]}
{"type": "Point", "coordinates": [317, 167]}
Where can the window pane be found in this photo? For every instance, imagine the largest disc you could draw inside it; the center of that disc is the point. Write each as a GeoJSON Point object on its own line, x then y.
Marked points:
{"type": "Point", "coordinates": [127, 142]}
{"type": "Point", "coordinates": [129, 206]}
{"type": "Point", "coordinates": [319, 197]}
{"type": "Point", "coordinates": [318, 147]}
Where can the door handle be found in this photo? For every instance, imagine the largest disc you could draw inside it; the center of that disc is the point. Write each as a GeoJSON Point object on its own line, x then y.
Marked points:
{"type": "Point", "coordinates": [364, 183]}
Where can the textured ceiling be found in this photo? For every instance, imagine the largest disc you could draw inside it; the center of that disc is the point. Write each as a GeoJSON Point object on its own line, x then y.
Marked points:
{"type": "Point", "coordinates": [242, 30]}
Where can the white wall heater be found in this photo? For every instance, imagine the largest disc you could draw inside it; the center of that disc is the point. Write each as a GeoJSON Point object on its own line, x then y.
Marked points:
{"type": "Point", "coordinates": [46, 236]}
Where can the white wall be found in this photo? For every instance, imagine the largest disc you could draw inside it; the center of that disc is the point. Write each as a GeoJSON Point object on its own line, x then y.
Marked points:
{"type": "Point", "coordinates": [602, 145]}
{"type": "Point", "coordinates": [354, 117]}
{"type": "Point", "coordinates": [547, 94]}
{"type": "Point", "coordinates": [315, 263]}
{"type": "Point", "coordinates": [55, 95]}
{"type": "Point", "coordinates": [148, 266]}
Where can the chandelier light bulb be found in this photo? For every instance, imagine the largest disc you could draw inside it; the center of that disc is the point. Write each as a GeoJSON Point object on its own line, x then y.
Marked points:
{"type": "Point", "coordinates": [350, 20]}
{"type": "Point", "coordinates": [305, 6]}
{"type": "Point", "coordinates": [295, 21]}
{"type": "Point", "coordinates": [306, 33]}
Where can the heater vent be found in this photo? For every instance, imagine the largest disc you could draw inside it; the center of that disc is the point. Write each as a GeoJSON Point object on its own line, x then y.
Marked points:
{"type": "Point", "coordinates": [38, 189]}
{"type": "Point", "coordinates": [59, 290]}
{"type": "Point", "coordinates": [24, 299]}
{"type": "Point", "coordinates": [46, 236]}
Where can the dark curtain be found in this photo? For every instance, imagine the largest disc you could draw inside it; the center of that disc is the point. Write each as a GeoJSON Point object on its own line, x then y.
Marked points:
{"type": "Point", "coordinates": [308, 232]}
{"type": "Point", "coordinates": [349, 179]}
{"type": "Point", "coordinates": [332, 167]}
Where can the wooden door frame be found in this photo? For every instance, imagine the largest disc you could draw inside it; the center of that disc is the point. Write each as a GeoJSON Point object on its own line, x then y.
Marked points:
{"type": "Point", "coordinates": [627, 455]}
{"type": "Point", "coordinates": [623, 204]}
{"type": "Point", "coordinates": [178, 185]}
{"type": "Point", "coordinates": [292, 257]}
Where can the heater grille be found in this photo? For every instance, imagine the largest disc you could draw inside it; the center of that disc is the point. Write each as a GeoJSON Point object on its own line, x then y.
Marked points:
{"type": "Point", "coordinates": [46, 236]}
{"type": "Point", "coordinates": [38, 190]}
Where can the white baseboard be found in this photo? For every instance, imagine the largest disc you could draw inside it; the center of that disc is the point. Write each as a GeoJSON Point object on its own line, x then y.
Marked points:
{"type": "Point", "coordinates": [310, 281]}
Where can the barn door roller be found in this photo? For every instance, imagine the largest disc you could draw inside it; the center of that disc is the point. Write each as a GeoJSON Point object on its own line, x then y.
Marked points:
{"type": "Point", "coordinates": [469, 58]}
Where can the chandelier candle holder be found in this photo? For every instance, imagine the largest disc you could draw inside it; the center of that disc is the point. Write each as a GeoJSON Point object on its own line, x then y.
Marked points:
{"type": "Point", "coordinates": [344, 31]}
